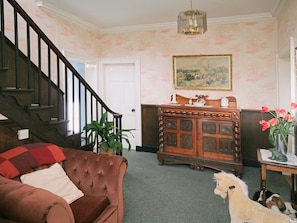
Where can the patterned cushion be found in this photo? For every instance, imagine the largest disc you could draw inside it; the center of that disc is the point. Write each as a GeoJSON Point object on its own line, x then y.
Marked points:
{"type": "Point", "coordinates": [24, 158]}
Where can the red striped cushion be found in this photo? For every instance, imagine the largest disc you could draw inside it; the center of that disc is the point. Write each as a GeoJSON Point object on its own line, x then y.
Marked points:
{"type": "Point", "coordinates": [24, 158]}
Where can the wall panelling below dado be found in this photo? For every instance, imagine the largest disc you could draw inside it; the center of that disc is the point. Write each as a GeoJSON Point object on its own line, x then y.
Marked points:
{"type": "Point", "coordinates": [150, 129]}
{"type": "Point", "coordinates": [252, 136]}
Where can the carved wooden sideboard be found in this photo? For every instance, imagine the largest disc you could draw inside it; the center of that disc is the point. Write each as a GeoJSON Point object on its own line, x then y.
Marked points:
{"type": "Point", "coordinates": [206, 136]}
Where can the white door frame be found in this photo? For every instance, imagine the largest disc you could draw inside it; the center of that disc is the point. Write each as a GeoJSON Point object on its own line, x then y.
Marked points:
{"type": "Point", "coordinates": [136, 61]}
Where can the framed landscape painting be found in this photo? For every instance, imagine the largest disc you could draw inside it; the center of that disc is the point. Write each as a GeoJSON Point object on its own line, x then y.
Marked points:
{"type": "Point", "coordinates": [203, 72]}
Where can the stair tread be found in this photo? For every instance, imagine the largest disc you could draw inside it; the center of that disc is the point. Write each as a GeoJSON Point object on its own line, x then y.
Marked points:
{"type": "Point", "coordinates": [70, 133]}
{"type": "Point", "coordinates": [40, 107]}
{"type": "Point", "coordinates": [5, 121]}
{"type": "Point", "coordinates": [4, 68]}
{"type": "Point", "coordinates": [58, 121]}
{"type": "Point", "coordinates": [7, 89]}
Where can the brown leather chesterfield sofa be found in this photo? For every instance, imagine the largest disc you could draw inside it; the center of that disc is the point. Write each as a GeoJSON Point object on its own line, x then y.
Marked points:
{"type": "Point", "coordinates": [98, 176]}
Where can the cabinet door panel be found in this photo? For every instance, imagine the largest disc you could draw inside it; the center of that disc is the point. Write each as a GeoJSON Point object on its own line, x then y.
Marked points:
{"type": "Point", "coordinates": [180, 136]}
{"type": "Point", "coordinates": [226, 146]}
{"type": "Point", "coordinates": [209, 127]}
{"type": "Point", "coordinates": [226, 129]}
{"type": "Point", "coordinates": [209, 144]}
{"type": "Point", "coordinates": [186, 125]}
{"type": "Point", "coordinates": [171, 139]}
{"type": "Point", "coordinates": [186, 141]}
{"type": "Point", "coordinates": [170, 124]}
{"type": "Point", "coordinates": [217, 139]}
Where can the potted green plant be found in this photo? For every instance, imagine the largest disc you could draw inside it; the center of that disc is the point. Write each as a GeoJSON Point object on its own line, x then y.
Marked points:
{"type": "Point", "coordinates": [109, 135]}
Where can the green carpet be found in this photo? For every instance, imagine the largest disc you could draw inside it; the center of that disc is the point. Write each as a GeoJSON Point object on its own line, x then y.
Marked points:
{"type": "Point", "coordinates": [179, 194]}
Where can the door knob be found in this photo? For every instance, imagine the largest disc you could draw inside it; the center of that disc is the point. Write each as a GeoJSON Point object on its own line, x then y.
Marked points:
{"type": "Point", "coordinates": [133, 110]}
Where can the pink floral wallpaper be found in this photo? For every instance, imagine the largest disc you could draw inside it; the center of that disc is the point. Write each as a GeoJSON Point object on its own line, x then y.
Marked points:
{"type": "Point", "coordinates": [287, 25]}
{"type": "Point", "coordinates": [253, 46]}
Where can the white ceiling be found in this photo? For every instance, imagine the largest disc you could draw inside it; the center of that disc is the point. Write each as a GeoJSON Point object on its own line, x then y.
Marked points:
{"type": "Point", "coordinates": [116, 15]}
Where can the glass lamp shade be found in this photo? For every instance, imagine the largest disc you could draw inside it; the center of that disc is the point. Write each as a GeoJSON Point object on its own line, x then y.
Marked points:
{"type": "Point", "coordinates": [192, 22]}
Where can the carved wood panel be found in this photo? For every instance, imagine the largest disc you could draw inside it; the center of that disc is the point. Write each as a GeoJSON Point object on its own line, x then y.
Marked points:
{"type": "Point", "coordinates": [171, 139]}
{"type": "Point", "coordinates": [186, 141]}
{"type": "Point", "coordinates": [171, 124]}
{"type": "Point", "coordinates": [209, 144]}
{"type": "Point", "coordinates": [226, 146]}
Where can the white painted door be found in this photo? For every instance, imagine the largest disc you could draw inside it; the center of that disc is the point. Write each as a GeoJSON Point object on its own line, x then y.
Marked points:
{"type": "Point", "coordinates": [121, 95]}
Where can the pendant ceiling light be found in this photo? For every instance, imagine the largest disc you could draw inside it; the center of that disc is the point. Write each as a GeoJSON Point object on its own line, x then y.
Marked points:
{"type": "Point", "coordinates": [192, 22]}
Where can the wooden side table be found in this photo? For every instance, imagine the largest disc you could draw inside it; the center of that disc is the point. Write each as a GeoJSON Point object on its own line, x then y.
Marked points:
{"type": "Point", "coordinates": [278, 167]}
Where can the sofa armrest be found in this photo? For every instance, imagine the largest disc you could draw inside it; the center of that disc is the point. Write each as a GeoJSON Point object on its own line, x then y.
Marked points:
{"type": "Point", "coordinates": [23, 203]}
{"type": "Point", "coordinates": [97, 174]}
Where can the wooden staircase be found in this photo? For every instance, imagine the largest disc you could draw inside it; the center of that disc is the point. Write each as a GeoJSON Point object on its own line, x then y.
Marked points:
{"type": "Point", "coordinates": [41, 98]}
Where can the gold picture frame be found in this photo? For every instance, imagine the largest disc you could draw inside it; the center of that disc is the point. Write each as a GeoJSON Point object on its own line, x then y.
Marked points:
{"type": "Point", "coordinates": [203, 72]}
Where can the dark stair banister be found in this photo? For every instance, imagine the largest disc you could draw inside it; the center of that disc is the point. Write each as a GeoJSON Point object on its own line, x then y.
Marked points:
{"type": "Point", "coordinates": [93, 105]}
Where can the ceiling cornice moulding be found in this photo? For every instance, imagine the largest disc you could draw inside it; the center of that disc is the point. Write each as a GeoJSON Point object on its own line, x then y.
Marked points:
{"type": "Point", "coordinates": [62, 14]}
{"type": "Point", "coordinates": [155, 26]}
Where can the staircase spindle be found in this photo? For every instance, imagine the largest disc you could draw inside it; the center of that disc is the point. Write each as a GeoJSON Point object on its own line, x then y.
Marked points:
{"type": "Point", "coordinates": [58, 91]}
{"type": "Point", "coordinates": [39, 70]}
{"type": "Point", "coordinates": [3, 63]}
{"type": "Point", "coordinates": [49, 72]}
{"type": "Point", "coordinates": [16, 43]}
{"type": "Point", "coordinates": [29, 70]}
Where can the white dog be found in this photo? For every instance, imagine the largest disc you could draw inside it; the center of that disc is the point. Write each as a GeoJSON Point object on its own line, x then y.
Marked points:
{"type": "Point", "coordinates": [241, 207]}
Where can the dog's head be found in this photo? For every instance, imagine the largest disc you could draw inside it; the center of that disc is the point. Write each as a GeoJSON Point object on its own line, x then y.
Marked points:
{"type": "Point", "coordinates": [279, 202]}
{"type": "Point", "coordinates": [226, 183]}
{"type": "Point", "coordinates": [222, 185]}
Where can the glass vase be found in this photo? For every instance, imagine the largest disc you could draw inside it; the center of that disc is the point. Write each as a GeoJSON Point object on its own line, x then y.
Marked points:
{"type": "Point", "coordinates": [280, 144]}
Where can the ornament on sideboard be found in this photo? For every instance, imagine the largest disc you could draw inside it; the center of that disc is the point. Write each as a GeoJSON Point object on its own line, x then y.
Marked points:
{"type": "Point", "coordinates": [201, 97]}
{"type": "Point", "coordinates": [190, 101]}
{"type": "Point", "coordinates": [201, 100]}
{"type": "Point", "coordinates": [173, 98]}
{"type": "Point", "coordinates": [224, 102]}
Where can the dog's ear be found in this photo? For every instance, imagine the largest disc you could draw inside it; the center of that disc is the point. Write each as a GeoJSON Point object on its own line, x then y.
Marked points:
{"type": "Point", "coordinates": [232, 187]}
{"type": "Point", "coordinates": [280, 203]}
